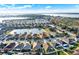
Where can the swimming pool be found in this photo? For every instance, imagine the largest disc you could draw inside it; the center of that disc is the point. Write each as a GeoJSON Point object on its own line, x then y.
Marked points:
{"type": "Point", "coordinates": [32, 30]}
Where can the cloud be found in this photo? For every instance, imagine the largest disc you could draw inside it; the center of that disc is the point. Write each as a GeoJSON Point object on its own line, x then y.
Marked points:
{"type": "Point", "coordinates": [28, 9]}
{"type": "Point", "coordinates": [77, 6]}
{"type": "Point", "coordinates": [25, 6]}
{"type": "Point", "coordinates": [13, 6]}
{"type": "Point", "coordinates": [3, 5]}
{"type": "Point", "coordinates": [47, 7]}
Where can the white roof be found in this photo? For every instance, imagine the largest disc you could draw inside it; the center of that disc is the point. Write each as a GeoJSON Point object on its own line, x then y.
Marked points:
{"type": "Point", "coordinates": [52, 25]}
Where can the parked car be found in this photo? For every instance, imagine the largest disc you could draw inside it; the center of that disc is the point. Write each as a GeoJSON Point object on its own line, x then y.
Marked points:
{"type": "Point", "coordinates": [9, 47]}
{"type": "Point", "coordinates": [19, 47]}
{"type": "Point", "coordinates": [27, 48]}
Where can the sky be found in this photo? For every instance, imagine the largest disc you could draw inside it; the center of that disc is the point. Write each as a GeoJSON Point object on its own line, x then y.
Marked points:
{"type": "Point", "coordinates": [39, 8]}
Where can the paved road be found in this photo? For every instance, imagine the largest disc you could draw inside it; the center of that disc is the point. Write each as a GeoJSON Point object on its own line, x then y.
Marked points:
{"type": "Point", "coordinates": [73, 35]}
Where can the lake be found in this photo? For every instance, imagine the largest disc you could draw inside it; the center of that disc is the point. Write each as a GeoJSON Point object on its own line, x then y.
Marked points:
{"type": "Point", "coordinates": [74, 15]}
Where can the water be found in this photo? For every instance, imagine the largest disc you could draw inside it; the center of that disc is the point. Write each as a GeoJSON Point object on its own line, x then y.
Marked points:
{"type": "Point", "coordinates": [9, 18]}
{"type": "Point", "coordinates": [74, 15]}
{"type": "Point", "coordinates": [68, 15]}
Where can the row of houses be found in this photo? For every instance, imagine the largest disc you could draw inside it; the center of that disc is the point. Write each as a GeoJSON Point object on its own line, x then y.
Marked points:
{"type": "Point", "coordinates": [25, 22]}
